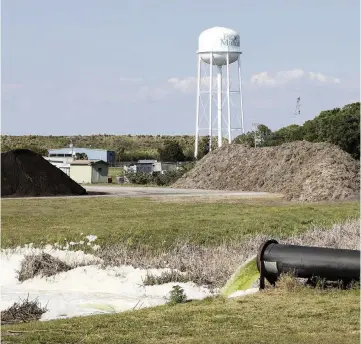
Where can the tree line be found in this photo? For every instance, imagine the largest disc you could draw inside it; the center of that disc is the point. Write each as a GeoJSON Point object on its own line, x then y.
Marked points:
{"type": "Point", "coordinates": [339, 126]}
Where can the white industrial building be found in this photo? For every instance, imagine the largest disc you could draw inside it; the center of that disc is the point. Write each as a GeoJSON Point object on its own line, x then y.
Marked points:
{"type": "Point", "coordinates": [89, 172]}
{"type": "Point", "coordinates": [61, 163]}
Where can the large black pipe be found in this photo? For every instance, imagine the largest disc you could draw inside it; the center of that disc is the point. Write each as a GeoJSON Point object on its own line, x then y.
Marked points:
{"type": "Point", "coordinates": [306, 262]}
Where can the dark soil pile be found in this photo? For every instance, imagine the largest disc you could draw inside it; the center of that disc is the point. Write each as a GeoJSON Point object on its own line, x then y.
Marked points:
{"type": "Point", "coordinates": [300, 170]}
{"type": "Point", "coordinates": [25, 173]}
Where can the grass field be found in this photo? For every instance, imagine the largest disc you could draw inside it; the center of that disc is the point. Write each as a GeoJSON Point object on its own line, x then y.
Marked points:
{"type": "Point", "coordinates": [159, 225]}
{"type": "Point", "coordinates": [307, 316]}
{"type": "Point", "coordinates": [276, 316]}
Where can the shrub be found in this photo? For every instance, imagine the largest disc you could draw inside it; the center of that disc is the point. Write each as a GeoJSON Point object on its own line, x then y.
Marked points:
{"type": "Point", "coordinates": [177, 295]}
{"type": "Point", "coordinates": [167, 178]}
{"type": "Point", "coordinates": [139, 178]}
{"type": "Point", "coordinates": [157, 178]}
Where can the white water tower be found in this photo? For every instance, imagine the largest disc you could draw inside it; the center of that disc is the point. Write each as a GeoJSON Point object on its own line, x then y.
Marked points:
{"type": "Point", "coordinates": [219, 47]}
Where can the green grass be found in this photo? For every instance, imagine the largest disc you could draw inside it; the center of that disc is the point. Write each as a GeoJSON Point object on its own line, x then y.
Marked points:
{"type": "Point", "coordinates": [159, 224]}
{"type": "Point", "coordinates": [308, 316]}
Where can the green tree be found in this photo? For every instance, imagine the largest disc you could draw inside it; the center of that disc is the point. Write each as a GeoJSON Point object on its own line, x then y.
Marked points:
{"type": "Point", "coordinates": [340, 127]}
{"type": "Point", "coordinates": [204, 148]}
{"type": "Point", "coordinates": [263, 133]}
{"type": "Point", "coordinates": [5, 148]}
{"type": "Point", "coordinates": [171, 151]}
{"type": "Point", "coordinates": [287, 134]}
{"type": "Point", "coordinates": [81, 156]}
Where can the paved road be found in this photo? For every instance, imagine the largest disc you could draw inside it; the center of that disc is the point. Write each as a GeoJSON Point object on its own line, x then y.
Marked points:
{"type": "Point", "coordinates": [129, 191]}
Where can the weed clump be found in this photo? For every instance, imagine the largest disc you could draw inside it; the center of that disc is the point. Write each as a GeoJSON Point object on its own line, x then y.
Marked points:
{"type": "Point", "coordinates": [23, 311]}
{"type": "Point", "coordinates": [166, 277]}
{"type": "Point", "coordinates": [41, 264]}
{"type": "Point", "coordinates": [289, 283]}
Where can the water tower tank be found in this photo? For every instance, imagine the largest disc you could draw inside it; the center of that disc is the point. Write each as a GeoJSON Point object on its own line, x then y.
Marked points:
{"type": "Point", "coordinates": [219, 41]}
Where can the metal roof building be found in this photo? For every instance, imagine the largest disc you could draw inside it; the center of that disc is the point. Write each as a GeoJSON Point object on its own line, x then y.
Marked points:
{"type": "Point", "coordinates": [92, 154]}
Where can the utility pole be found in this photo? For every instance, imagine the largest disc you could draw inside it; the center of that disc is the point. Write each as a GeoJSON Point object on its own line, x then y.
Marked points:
{"type": "Point", "coordinates": [72, 149]}
{"type": "Point", "coordinates": [297, 113]}
{"type": "Point", "coordinates": [256, 133]}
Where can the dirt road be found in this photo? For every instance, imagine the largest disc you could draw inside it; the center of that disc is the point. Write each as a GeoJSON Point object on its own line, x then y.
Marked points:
{"type": "Point", "coordinates": [131, 191]}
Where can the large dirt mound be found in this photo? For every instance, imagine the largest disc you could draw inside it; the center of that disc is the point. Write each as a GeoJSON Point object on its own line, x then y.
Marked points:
{"type": "Point", "coordinates": [25, 173]}
{"type": "Point", "coordinates": [300, 170]}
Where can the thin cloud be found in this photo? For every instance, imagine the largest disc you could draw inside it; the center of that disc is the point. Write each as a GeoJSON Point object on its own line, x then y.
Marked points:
{"type": "Point", "coordinates": [323, 78]}
{"type": "Point", "coordinates": [284, 77]}
{"type": "Point", "coordinates": [189, 84]}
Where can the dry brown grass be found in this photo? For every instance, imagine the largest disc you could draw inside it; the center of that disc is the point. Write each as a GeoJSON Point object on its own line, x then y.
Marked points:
{"type": "Point", "coordinates": [23, 311]}
{"type": "Point", "coordinates": [210, 266]}
{"type": "Point", "coordinates": [287, 282]}
{"type": "Point", "coordinates": [213, 266]}
{"type": "Point", "coordinates": [41, 264]}
{"type": "Point", "coordinates": [166, 277]}
{"type": "Point", "coordinates": [342, 235]}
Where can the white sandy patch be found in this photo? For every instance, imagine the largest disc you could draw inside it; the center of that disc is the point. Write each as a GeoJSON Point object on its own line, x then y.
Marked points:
{"type": "Point", "coordinates": [92, 238]}
{"type": "Point", "coordinates": [84, 290]}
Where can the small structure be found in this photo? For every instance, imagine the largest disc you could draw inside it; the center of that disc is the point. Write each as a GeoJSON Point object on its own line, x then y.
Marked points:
{"type": "Point", "coordinates": [92, 154]}
{"type": "Point", "coordinates": [89, 171]}
{"type": "Point", "coordinates": [61, 163]}
{"type": "Point", "coordinates": [145, 166]}
{"type": "Point", "coordinates": [150, 166]}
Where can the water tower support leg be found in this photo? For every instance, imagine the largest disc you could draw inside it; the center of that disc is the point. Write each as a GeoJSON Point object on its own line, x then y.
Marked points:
{"type": "Point", "coordinates": [198, 104]}
{"type": "Point", "coordinates": [210, 100]}
{"type": "Point", "coordinates": [240, 92]}
{"type": "Point", "coordinates": [219, 104]}
{"type": "Point", "coordinates": [228, 104]}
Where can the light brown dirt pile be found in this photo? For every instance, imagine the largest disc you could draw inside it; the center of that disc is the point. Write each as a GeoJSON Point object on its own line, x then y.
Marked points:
{"type": "Point", "coordinates": [302, 171]}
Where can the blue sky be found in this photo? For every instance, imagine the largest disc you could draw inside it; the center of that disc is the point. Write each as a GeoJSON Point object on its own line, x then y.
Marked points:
{"type": "Point", "coordinates": [89, 66]}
